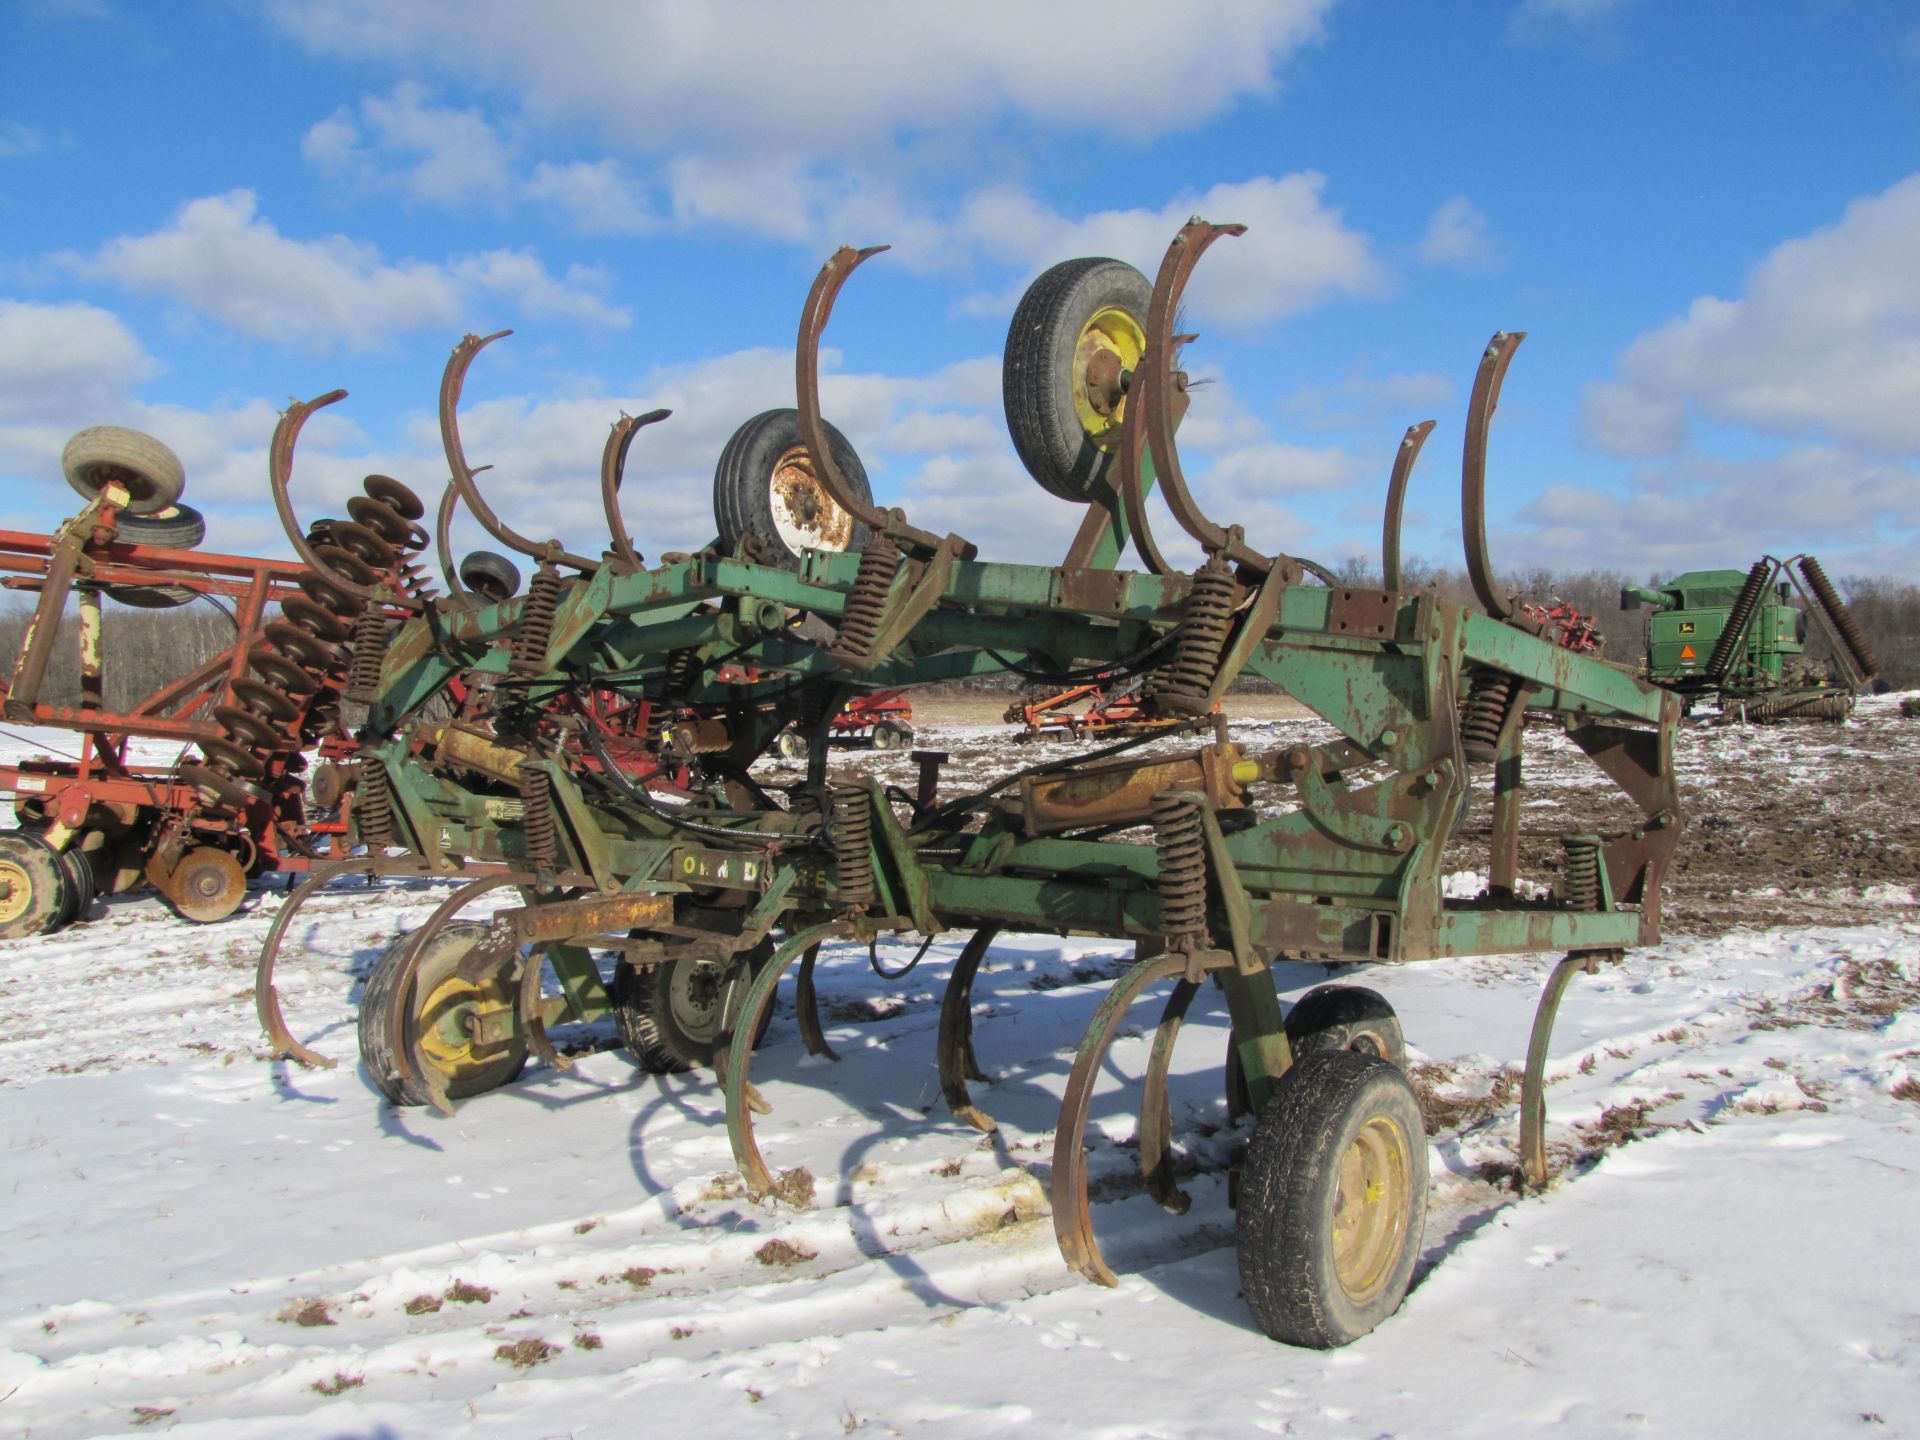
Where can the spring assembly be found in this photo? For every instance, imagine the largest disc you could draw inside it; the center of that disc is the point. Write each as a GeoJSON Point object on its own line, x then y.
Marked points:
{"type": "Point", "coordinates": [1736, 627]}
{"type": "Point", "coordinates": [1843, 621]}
{"type": "Point", "coordinates": [1181, 687]}
{"type": "Point", "coordinates": [369, 653]}
{"type": "Point", "coordinates": [1580, 877]}
{"type": "Point", "coordinates": [1180, 847]}
{"type": "Point", "coordinates": [536, 622]}
{"type": "Point", "coordinates": [683, 673]}
{"type": "Point", "coordinates": [373, 808]}
{"type": "Point", "coordinates": [538, 823]}
{"type": "Point", "coordinates": [867, 603]}
{"type": "Point", "coordinates": [1483, 715]}
{"type": "Point", "coordinates": [851, 835]}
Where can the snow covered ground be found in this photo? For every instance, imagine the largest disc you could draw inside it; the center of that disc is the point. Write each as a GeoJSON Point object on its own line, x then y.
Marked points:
{"type": "Point", "coordinates": [202, 1242]}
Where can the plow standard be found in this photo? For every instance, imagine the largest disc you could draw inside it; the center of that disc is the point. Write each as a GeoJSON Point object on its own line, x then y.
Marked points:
{"type": "Point", "coordinates": [1215, 860]}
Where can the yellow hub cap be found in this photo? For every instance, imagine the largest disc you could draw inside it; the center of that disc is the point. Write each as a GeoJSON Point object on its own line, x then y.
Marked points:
{"type": "Point", "coordinates": [1109, 349]}
{"type": "Point", "coordinates": [16, 891]}
{"type": "Point", "coordinates": [447, 1020]}
{"type": "Point", "coordinates": [1371, 1207]}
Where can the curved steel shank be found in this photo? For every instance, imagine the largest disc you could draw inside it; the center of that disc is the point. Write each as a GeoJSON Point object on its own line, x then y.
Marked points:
{"type": "Point", "coordinates": [1473, 468]}
{"type": "Point", "coordinates": [1403, 462]}
{"type": "Point", "coordinates": [806, 366]}
{"type": "Point", "coordinates": [955, 1049]}
{"type": "Point", "coordinates": [443, 545]}
{"type": "Point", "coordinates": [266, 1000]}
{"type": "Point", "coordinates": [613, 468]}
{"type": "Point", "coordinates": [451, 383]}
{"type": "Point", "coordinates": [279, 473]}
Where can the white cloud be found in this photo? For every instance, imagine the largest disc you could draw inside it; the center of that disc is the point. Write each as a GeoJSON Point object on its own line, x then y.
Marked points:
{"type": "Point", "coordinates": [596, 197]}
{"type": "Point", "coordinates": [1538, 21]}
{"type": "Point", "coordinates": [1460, 235]}
{"type": "Point", "coordinates": [67, 359]}
{"type": "Point", "coordinates": [1825, 342]}
{"type": "Point", "coordinates": [18, 141]}
{"type": "Point", "coordinates": [1364, 401]}
{"type": "Point", "coordinates": [218, 257]}
{"type": "Point", "coordinates": [1297, 252]}
{"type": "Point", "coordinates": [821, 79]}
{"type": "Point", "coordinates": [400, 141]}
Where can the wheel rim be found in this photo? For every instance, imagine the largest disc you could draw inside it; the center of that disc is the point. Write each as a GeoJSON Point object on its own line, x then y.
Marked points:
{"type": "Point", "coordinates": [805, 516]}
{"type": "Point", "coordinates": [1106, 354]}
{"type": "Point", "coordinates": [16, 891]}
{"type": "Point", "coordinates": [454, 1010]}
{"type": "Point", "coordinates": [694, 994]}
{"type": "Point", "coordinates": [1370, 1208]}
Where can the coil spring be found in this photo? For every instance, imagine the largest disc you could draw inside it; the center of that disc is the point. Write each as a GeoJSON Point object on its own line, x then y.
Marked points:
{"type": "Point", "coordinates": [852, 838]}
{"type": "Point", "coordinates": [1735, 628]}
{"type": "Point", "coordinates": [1483, 715]}
{"type": "Point", "coordinates": [1580, 877]}
{"type": "Point", "coordinates": [867, 603]}
{"type": "Point", "coordinates": [1180, 847]}
{"type": "Point", "coordinates": [373, 807]}
{"type": "Point", "coordinates": [683, 672]}
{"type": "Point", "coordinates": [369, 653]}
{"type": "Point", "coordinates": [537, 823]}
{"type": "Point", "coordinates": [1182, 685]}
{"type": "Point", "coordinates": [536, 622]}
{"type": "Point", "coordinates": [1842, 618]}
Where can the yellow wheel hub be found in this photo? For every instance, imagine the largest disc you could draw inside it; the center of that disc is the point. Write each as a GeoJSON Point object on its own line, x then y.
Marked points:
{"type": "Point", "coordinates": [1371, 1207]}
{"type": "Point", "coordinates": [16, 891]}
{"type": "Point", "coordinates": [448, 1020]}
{"type": "Point", "coordinates": [1108, 351]}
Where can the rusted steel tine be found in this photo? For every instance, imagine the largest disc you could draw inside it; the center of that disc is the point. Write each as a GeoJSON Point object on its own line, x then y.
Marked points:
{"type": "Point", "coordinates": [806, 1007]}
{"type": "Point", "coordinates": [1156, 1112]}
{"type": "Point", "coordinates": [532, 1025]}
{"type": "Point", "coordinates": [279, 472]}
{"type": "Point", "coordinates": [1403, 462]}
{"type": "Point", "coordinates": [1533, 1087]}
{"type": "Point", "coordinates": [1181, 257]}
{"type": "Point", "coordinates": [806, 374]}
{"type": "Point", "coordinates": [738, 1084]}
{"type": "Point", "coordinates": [1072, 1224]}
{"type": "Point", "coordinates": [443, 545]}
{"type": "Point", "coordinates": [613, 467]}
{"type": "Point", "coordinates": [1129, 476]}
{"type": "Point", "coordinates": [452, 380]}
{"type": "Point", "coordinates": [955, 1049]}
{"type": "Point", "coordinates": [397, 1046]}
{"type": "Point", "coordinates": [1473, 468]}
{"type": "Point", "coordinates": [266, 1000]}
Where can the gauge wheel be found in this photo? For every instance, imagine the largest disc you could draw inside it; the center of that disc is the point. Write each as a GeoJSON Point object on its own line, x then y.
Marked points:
{"type": "Point", "coordinates": [491, 576]}
{"type": "Point", "coordinates": [1346, 1017]}
{"type": "Point", "coordinates": [891, 735]}
{"type": "Point", "coordinates": [791, 744]}
{"type": "Point", "coordinates": [1077, 336]}
{"type": "Point", "coordinates": [766, 487]}
{"type": "Point", "coordinates": [1333, 1200]}
{"type": "Point", "coordinates": [460, 982]}
{"type": "Point", "coordinates": [672, 1015]}
{"type": "Point", "coordinates": [34, 886]}
{"type": "Point", "coordinates": [102, 454]}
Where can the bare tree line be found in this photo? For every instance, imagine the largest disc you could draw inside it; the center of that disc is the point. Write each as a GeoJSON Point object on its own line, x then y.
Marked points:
{"type": "Point", "coordinates": [147, 649]}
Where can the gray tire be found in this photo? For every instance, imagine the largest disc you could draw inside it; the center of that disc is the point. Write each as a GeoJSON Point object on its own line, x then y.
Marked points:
{"type": "Point", "coordinates": [101, 454]}
{"type": "Point", "coordinates": [764, 487]}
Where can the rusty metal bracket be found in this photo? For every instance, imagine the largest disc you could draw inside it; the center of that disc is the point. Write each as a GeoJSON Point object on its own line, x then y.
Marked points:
{"type": "Point", "coordinates": [588, 916]}
{"type": "Point", "coordinates": [1403, 462]}
{"type": "Point", "coordinates": [613, 467]}
{"type": "Point", "coordinates": [452, 380]}
{"type": "Point", "coordinates": [1255, 621]}
{"type": "Point", "coordinates": [1473, 468]}
{"type": "Point", "coordinates": [1327, 807]}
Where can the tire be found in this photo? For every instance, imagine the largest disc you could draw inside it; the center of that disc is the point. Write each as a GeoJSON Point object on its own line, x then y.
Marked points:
{"type": "Point", "coordinates": [82, 886]}
{"type": "Point", "coordinates": [791, 744]}
{"type": "Point", "coordinates": [453, 975]}
{"type": "Point", "coordinates": [35, 889]}
{"type": "Point", "coordinates": [1346, 1017]}
{"type": "Point", "coordinates": [491, 576]}
{"type": "Point", "coordinates": [103, 453]}
{"type": "Point", "coordinates": [1078, 310]}
{"type": "Point", "coordinates": [891, 735]}
{"type": "Point", "coordinates": [1333, 1199]}
{"type": "Point", "coordinates": [178, 527]}
{"type": "Point", "coordinates": [669, 1015]}
{"type": "Point", "coordinates": [764, 487]}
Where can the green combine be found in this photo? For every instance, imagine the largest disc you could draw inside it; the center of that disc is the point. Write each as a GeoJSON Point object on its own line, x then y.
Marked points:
{"type": "Point", "coordinates": [1741, 638]}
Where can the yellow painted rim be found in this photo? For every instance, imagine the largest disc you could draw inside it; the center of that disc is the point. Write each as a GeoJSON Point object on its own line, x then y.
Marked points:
{"type": "Point", "coordinates": [1114, 332]}
{"type": "Point", "coordinates": [444, 1041]}
{"type": "Point", "coordinates": [16, 891]}
{"type": "Point", "coordinates": [1371, 1207]}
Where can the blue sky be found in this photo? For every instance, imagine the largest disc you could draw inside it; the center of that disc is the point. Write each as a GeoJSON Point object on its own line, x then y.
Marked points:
{"type": "Point", "coordinates": [1705, 214]}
